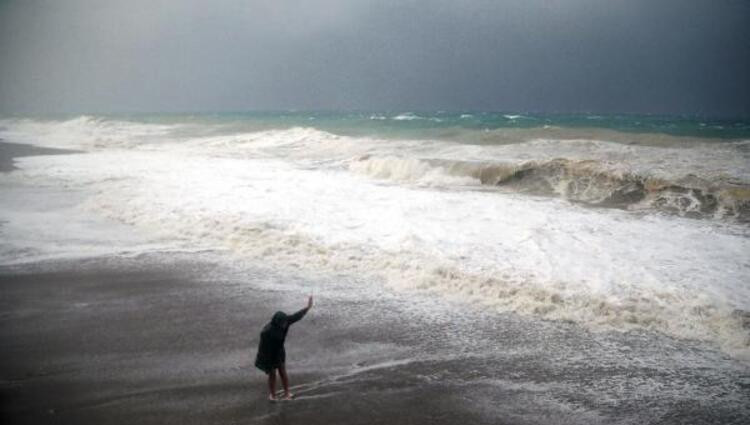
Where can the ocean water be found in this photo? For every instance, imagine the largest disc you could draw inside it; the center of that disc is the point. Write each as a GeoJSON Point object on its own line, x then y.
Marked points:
{"type": "Point", "coordinates": [611, 223]}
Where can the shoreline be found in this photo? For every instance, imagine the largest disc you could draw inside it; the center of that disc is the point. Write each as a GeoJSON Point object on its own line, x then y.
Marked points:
{"type": "Point", "coordinates": [10, 151]}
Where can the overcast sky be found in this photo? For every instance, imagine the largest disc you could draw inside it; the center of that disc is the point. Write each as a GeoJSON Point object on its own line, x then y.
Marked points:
{"type": "Point", "coordinates": [642, 56]}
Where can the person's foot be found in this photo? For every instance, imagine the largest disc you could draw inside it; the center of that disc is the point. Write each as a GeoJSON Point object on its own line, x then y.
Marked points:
{"type": "Point", "coordinates": [288, 396]}
{"type": "Point", "coordinates": [272, 398]}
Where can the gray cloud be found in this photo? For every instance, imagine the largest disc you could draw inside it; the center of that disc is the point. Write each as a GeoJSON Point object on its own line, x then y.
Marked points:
{"type": "Point", "coordinates": [663, 56]}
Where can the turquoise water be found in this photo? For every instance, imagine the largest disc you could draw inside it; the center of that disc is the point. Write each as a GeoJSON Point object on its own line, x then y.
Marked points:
{"type": "Point", "coordinates": [469, 127]}
{"type": "Point", "coordinates": [401, 123]}
{"type": "Point", "coordinates": [440, 123]}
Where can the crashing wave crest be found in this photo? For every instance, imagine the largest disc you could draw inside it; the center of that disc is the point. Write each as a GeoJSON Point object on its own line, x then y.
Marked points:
{"type": "Point", "coordinates": [589, 182]}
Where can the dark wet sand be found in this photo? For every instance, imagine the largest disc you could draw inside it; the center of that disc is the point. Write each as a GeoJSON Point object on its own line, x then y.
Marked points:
{"type": "Point", "coordinates": [9, 151]}
{"type": "Point", "coordinates": [128, 342]}
{"type": "Point", "coordinates": [165, 339]}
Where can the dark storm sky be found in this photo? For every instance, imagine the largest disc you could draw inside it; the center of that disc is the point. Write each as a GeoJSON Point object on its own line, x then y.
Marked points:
{"type": "Point", "coordinates": [605, 56]}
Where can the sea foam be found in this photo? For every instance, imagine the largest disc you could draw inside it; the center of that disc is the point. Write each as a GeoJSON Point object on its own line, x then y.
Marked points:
{"type": "Point", "coordinates": [305, 199]}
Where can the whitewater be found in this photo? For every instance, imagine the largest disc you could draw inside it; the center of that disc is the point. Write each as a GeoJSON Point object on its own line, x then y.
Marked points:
{"type": "Point", "coordinates": [610, 228]}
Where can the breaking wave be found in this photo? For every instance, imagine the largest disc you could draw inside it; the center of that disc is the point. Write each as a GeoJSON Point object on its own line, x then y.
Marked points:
{"type": "Point", "coordinates": [296, 198]}
{"type": "Point", "coordinates": [84, 132]}
{"type": "Point", "coordinates": [589, 182]}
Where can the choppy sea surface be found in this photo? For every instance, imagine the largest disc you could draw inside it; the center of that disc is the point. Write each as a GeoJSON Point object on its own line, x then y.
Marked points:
{"type": "Point", "coordinates": [611, 223]}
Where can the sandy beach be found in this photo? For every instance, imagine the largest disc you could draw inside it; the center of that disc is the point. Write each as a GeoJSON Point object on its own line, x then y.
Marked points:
{"type": "Point", "coordinates": [158, 339]}
{"type": "Point", "coordinates": [133, 341]}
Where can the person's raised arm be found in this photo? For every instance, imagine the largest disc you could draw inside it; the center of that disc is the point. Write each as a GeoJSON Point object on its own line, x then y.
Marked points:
{"type": "Point", "coordinates": [300, 314]}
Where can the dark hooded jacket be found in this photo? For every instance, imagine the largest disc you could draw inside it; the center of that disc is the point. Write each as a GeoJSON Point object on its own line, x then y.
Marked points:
{"type": "Point", "coordinates": [271, 353]}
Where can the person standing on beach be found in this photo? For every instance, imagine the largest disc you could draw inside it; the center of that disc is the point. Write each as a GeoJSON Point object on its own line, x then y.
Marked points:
{"type": "Point", "coordinates": [271, 354]}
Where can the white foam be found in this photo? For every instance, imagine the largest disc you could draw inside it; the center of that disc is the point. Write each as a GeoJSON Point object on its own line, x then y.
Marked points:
{"type": "Point", "coordinates": [711, 160]}
{"type": "Point", "coordinates": [528, 255]}
{"type": "Point", "coordinates": [47, 223]}
{"type": "Point", "coordinates": [410, 170]}
{"type": "Point", "coordinates": [267, 196]}
{"type": "Point", "coordinates": [407, 116]}
{"type": "Point", "coordinates": [83, 133]}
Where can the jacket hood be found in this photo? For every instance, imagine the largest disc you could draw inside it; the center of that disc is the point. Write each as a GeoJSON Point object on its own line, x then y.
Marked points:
{"type": "Point", "coordinates": [279, 319]}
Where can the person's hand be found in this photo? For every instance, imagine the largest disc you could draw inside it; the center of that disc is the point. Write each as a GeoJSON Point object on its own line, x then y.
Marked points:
{"type": "Point", "coordinates": [309, 302]}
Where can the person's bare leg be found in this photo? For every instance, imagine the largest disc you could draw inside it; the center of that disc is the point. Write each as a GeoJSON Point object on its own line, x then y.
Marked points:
{"type": "Point", "coordinates": [272, 385]}
{"type": "Point", "coordinates": [285, 382]}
